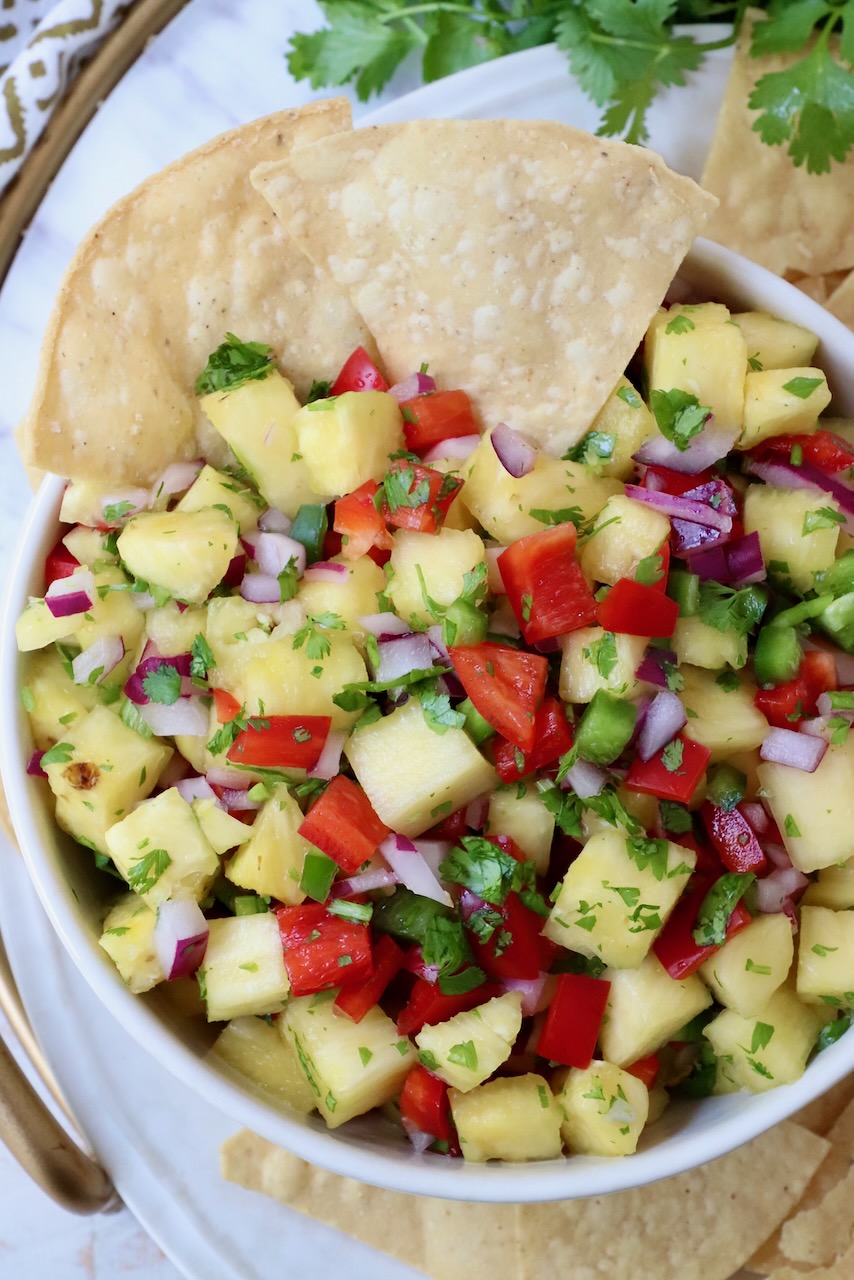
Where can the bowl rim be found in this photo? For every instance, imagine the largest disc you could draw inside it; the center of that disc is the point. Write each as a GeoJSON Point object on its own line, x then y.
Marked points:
{"type": "Point", "coordinates": [563, 1178]}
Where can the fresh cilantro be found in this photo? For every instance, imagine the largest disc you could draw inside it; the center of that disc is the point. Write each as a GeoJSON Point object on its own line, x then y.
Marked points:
{"type": "Point", "coordinates": [791, 827]}
{"type": "Point", "coordinates": [201, 658]}
{"type": "Point", "coordinates": [650, 570]}
{"type": "Point", "coordinates": [671, 756]}
{"type": "Point", "coordinates": [563, 515]}
{"type": "Point", "coordinates": [358, 912]}
{"type": "Point", "coordinates": [680, 324]}
{"type": "Point", "coordinates": [755, 363]}
{"type": "Point", "coordinates": [728, 681]}
{"type": "Point", "coordinates": [647, 852]}
{"type": "Point", "coordinates": [311, 635]}
{"type": "Point", "coordinates": [764, 970]}
{"type": "Point", "coordinates": [227, 734]}
{"type": "Point", "coordinates": [602, 653]}
{"type": "Point", "coordinates": [288, 581]}
{"type": "Point", "coordinates": [679, 415]}
{"type": "Point", "coordinates": [839, 729]}
{"type": "Point", "coordinates": [464, 1055]}
{"type": "Point", "coordinates": [802, 387]}
{"type": "Point", "coordinates": [115, 511]}
{"type": "Point", "coordinates": [822, 518]}
{"type": "Point", "coordinates": [129, 715]}
{"type": "Point", "coordinates": [630, 397]}
{"type": "Point", "coordinates": [233, 363]}
{"type": "Point", "coordinates": [144, 873]}
{"type": "Point", "coordinates": [726, 609]}
{"type": "Point", "coordinates": [717, 907]}
{"type": "Point", "coordinates": [832, 1032]}
{"type": "Point", "coordinates": [485, 869]}
{"type": "Point", "coordinates": [675, 818]}
{"type": "Point", "coordinates": [163, 684]}
{"type": "Point", "coordinates": [593, 450]}
{"type": "Point", "coordinates": [61, 753]}
{"type": "Point", "coordinates": [319, 390]}
{"type": "Point", "coordinates": [700, 1083]}
{"type": "Point", "coordinates": [401, 489]}
{"type": "Point", "coordinates": [439, 713]}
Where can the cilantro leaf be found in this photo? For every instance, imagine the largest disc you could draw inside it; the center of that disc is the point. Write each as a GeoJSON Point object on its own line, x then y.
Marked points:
{"type": "Point", "coordinates": [679, 416]}
{"type": "Point", "coordinates": [163, 684]}
{"type": "Point", "coordinates": [317, 646]}
{"type": "Point", "coordinates": [233, 363]}
{"type": "Point", "coordinates": [717, 907]}
{"type": "Point", "coordinates": [439, 713]}
{"type": "Point", "coordinates": [593, 450]}
{"type": "Point", "coordinates": [202, 658]}
{"type": "Point", "coordinates": [726, 609]}
{"type": "Point", "coordinates": [144, 873]}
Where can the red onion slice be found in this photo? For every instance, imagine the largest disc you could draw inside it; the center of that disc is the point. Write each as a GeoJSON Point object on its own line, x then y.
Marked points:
{"type": "Point", "coordinates": [494, 580]}
{"type": "Point", "coordinates": [417, 384]}
{"type": "Point", "coordinates": [195, 789]}
{"type": "Point", "coordinates": [180, 937]}
{"type": "Point", "coordinates": [186, 718]}
{"type": "Point", "coordinates": [756, 816]}
{"type": "Point", "coordinates": [177, 478]}
{"type": "Point", "coordinates": [826, 709]}
{"type": "Point", "coordinates": [412, 869]}
{"type": "Point", "coordinates": [274, 521]}
{"type": "Point", "coordinates": [96, 662]}
{"type": "Point", "coordinates": [326, 571]}
{"type": "Point", "coordinates": [537, 993]}
{"type": "Point", "coordinates": [220, 776]}
{"type": "Point", "coordinates": [456, 447]}
{"type": "Point", "coordinates": [329, 760]}
{"type": "Point", "coordinates": [34, 765]}
{"type": "Point", "coordinates": [383, 624]}
{"type": "Point", "coordinates": [664, 718]}
{"type": "Point", "coordinates": [777, 854]}
{"type": "Point", "coordinates": [797, 750]}
{"type": "Point", "coordinates": [67, 596]}
{"type": "Point", "coordinates": [516, 454]}
{"type": "Point", "coordinates": [129, 501]}
{"type": "Point", "coordinates": [367, 882]}
{"type": "Point", "coordinates": [586, 779]}
{"type": "Point", "coordinates": [775, 890]}
{"type": "Point", "coordinates": [681, 508]}
{"type": "Point", "coordinates": [421, 1141]}
{"type": "Point", "coordinates": [652, 668]}
{"type": "Point", "coordinates": [476, 813]}
{"type": "Point", "coordinates": [275, 551]}
{"type": "Point", "coordinates": [705, 449]}
{"type": "Point", "coordinates": [433, 852]}
{"type": "Point", "coordinates": [260, 588]}
{"type": "Point", "coordinates": [403, 654]}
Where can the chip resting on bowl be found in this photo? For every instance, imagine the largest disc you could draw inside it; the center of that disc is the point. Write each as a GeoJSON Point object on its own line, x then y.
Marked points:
{"type": "Point", "coordinates": [524, 258]}
{"type": "Point", "coordinates": [193, 253]}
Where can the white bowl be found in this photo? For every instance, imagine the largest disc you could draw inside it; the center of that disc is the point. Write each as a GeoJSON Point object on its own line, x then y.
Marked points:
{"type": "Point", "coordinates": [371, 1149]}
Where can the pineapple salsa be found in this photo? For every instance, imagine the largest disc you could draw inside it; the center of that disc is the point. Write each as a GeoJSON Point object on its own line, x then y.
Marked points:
{"type": "Point", "coordinates": [509, 794]}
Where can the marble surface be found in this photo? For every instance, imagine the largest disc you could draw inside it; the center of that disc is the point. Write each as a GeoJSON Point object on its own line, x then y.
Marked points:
{"type": "Point", "coordinates": [216, 65]}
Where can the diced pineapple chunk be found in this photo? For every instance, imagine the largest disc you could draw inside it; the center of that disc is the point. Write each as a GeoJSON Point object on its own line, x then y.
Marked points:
{"type": "Point", "coordinates": [617, 895]}
{"type": "Point", "coordinates": [769, 1048]}
{"type": "Point", "coordinates": [826, 956]}
{"type": "Point", "coordinates": [511, 1118]}
{"type": "Point", "coordinates": [748, 969]}
{"type": "Point", "coordinates": [256, 421]}
{"type": "Point", "coordinates": [605, 1107]}
{"type": "Point", "coordinates": [466, 1049]}
{"type": "Point", "coordinates": [820, 806]}
{"type": "Point", "coordinates": [412, 775]}
{"type": "Point", "coordinates": [443, 560]}
{"type": "Point", "coordinates": [101, 770]}
{"type": "Point", "coordinates": [625, 533]}
{"type": "Point", "coordinates": [626, 419]}
{"type": "Point", "coordinates": [270, 861]}
{"type": "Point", "coordinates": [797, 529]}
{"type": "Point", "coordinates": [353, 597]}
{"type": "Point", "coordinates": [779, 401]}
{"type": "Point", "coordinates": [833, 888]}
{"type": "Point", "coordinates": [347, 440]}
{"type": "Point", "coordinates": [504, 504]}
{"type": "Point", "coordinates": [36, 627]}
{"type": "Point", "coordinates": [281, 677]}
{"type": "Point", "coordinates": [87, 546]}
{"type": "Point", "coordinates": [53, 700]}
{"type": "Point", "coordinates": [112, 614]}
{"type": "Point", "coordinates": [726, 719]}
{"type": "Point", "coordinates": [220, 829]}
{"type": "Point", "coordinates": [351, 1067]}
{"type": "Point", "coordinates": [212, 488]}
{"type": "Point", "coordinates": [519, 812]}
{"type": "Point", "coordinates": [184, 552]}
{"type": "Point", "coordinates": [645, 1008]}
{"type": "Point", "coordinates": [773, 343]}
{"type": "Point", "coordinates": [695, 642]}
{"type": "Point", "coordinates": [243, 971]}
{"type": "Point", "coordinates": [257, 1050]}
{"type": "Point", "coordinates": [128, 939]}
{"type": "Point", "coordinates": [582, 668]}
{"type": "Point", "coordinates": [697, 349]}
{"type": "Point", "coordinates": [173, 631]}
{"type": "Point", "coordinates": [234, 629]}
{"type": "Point", "coordinates": [161, 851]}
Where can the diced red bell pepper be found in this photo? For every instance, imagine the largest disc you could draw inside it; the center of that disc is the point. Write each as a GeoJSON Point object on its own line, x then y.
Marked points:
{"type": "Point", "coordinates": [360, 524]}
{"type": "Point", "coordinates": [734, 839]}
{"type": "Point", "coordinates": [552, 737]}
{"type": "Point", "coordinates": [787, 704]}
{"type": "Point", "coordinates": [355, 1002]}
{"type": "Point", "coordinates": [343, 824]}
{"type": "Point", "coordinates": [517, 947]}
{"type": "Point", "coordinates": [653, 778]}
{"type": "Point", "coordinates": [59, 563]}
{"type": "Point", "coordinates": [675, 947]}
{"type": "Point", "coordinates": [646, 1070]}
{"type": "Point", "coordinates": [438, 415]}
{"type": "Point", "coordinates": [322, 950]}
{"type": "Point", "coordinates": [674, 482]}
{"type": "Point", "coordinates": [547, 591]}
{"type": "Point", "coordinates": [226, 705]}
{"type": "Point", "coordinates": [358, 373]}
{"type": "Point", "coordinates": [424, 1104]}
{"type": "Point", "coordinates": [506, 686]}
{"type": "Point", "coordinates": [450, 828]}
{"type": "Point", "coordinates": [636, 610]}
{"type": "Point", "coordinates": [573, 1020]}
{"type": "Point", "coordinates": [281, 742]}
{"type": "Point", "coordinates": [818, 669]}
{"type": "Point", "coordinates": [428, 1005]}
{"type": "Point", "coordinates": [431, 491]}
{"type": "Point", "coordinates": [822, 449]}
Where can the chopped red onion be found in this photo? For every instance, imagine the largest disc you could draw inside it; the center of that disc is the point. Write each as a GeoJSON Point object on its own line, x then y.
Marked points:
{"type": "Point", "coordinates": [233, 575]}
{"type": "Point", "coordinates": [516, 454]}
{"type": "Point", "coordinates": [222, 777]}
{"type": "Point", "coordinates": [138, 500]}
{"type": "Point", "coordinates": [687, 537]}
{"type": "Point", "coordinates": [151, 661]}
{"type": "Point", "coordinates": [238, 800]}
{"type": "Point", "coordinates": [494, 580]}
{"type": "Point", "coordinates": [797, 750]}
{"type": "Point", "coordinates": [681, 508]}
{"type": "Point", "coordinates": [744, 561]}
{"type": "Point", "coordinates": [143, 600]}
{"type": "Point", "coordinates": [273, 521]}
{"type": "Point", "coordinates": [180, 937]}
{"type": "Point", "coordinates": [504, 621]}
{"type": "Point", "coordinates": [652, 669]}
{"type": "Point", "coordinates": [417, 384]}
{"type": "Point", "coordinates": [710, 563]}
{"type": "Point", "coordinates": [260, 588]}
{"type": "Point", "coordinates": [329, 760]}
{"type": "Point", "coordinates": [367, 882]}
{"type": "Point", "coordinates": [817, 727]}
{"type": "Point", "coordinates": [67, 596]}
{"type": "Point", "coordinates": [457, 447]}
{"type": "Point", "coordinates": [275, 551]}
{"type": "Point", "coordinates": [412, 869]}
{"type": "Point", "coordinates": [664, 718]}
{"type": "Point", "coordinates": [586, 779]}
{"type": "Point", "coordinates": [195, 789]}
{"type": "Point", "coordinates": [775, 890]}
{"type": "Point", "coordinates": [783, 476]}
{"type": "Point", "coordinates": [537, 993]}
{"type": "Point", "coordinates": [421, 1141]}
{"type": "Point", "coordinates": [326, 571]}
{"type": "Point", "coordinates": [825, 708]}
{"type": "Point", "coordinates": [34, 765]}
{"type": "Point", "coordinates": [403, 654]}
{"type": "Point", "coordinates": [755, 815]}
{"type": "Point", "coordinates": [476, 813]}
{"type": "Point", "coordinates": [437, 644]}
{"type": "Point", "coordinates": [90, 666]}
{"type": "Point", "coordinates": [177, 478]}
{"type": "Point", "coordinates": [186, 718]}
{"type": "Point", "coordinates": [705, 449]}
{"type": "Point", "coordinates": [383, 624]}
{"type": "Point", "coordinates": [777, 854]}
{"type": "Point", "coordinates": [433, 852]}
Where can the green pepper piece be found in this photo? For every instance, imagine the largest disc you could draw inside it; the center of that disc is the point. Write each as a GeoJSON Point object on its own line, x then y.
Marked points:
{"type": "Point", "coordinates": [727, 787]}
{"type": "Point", "coordinates": [606, 728]}
{"type": "Point", "coordinates": [478, 729]}
{"type": "Point", "coordinates": [777, 656]}
{"type": "Point", "coordinates": [309, 527]}
{"type": "Point", "coordinates": [684, 588]}
{"type": "Point", "coordinates": [464, 623]}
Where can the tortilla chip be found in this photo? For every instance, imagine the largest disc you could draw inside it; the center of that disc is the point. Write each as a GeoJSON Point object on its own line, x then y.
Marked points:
{"type": "Point", "coordinates": [821, 1115]}
{"type": "Point", "coordinates": [723, 1210]}
{"type": "Point", "coordinates": [771, 210]}
{"type": "Point", "coordinates": [522, 259]}
{"type": "Point", "coordinates": [445, 1239]}
{"type": "Point", "coordinates": [842, 1268]}
{"type": "Point", "coordinates": [152, 290]}
{"type": "Point", "coordinates": [841, 301]}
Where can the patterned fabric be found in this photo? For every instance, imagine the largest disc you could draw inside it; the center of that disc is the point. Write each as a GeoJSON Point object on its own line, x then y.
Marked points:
{"type": "Point", "coordinates": [42, 45]}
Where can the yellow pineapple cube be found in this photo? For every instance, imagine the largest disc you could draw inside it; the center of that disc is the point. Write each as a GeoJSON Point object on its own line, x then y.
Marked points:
{"type": "Point", "coordinates": [625, 533]}
{"type": "Point", "coordinates": [220, 829]}
{"type": "Point", "coordinates": [695, 642]}
{"type": "Point", "coordinates": [351, 598]}
{"type": "Point", "coordinates": [583, 663]}
{"type": "Point", "coordinates": [184, 552]}
{"type": "Point", "coordinates": [749, 967]}
{"type": "Point", "coordinates": [645, 1009]}
{"type": "Point", "coordinates": [283, 678]}
{"type": "Point", "coordinates": [243, 971]}
{"type": "Point", "coordinates": [347, 440]}
{"type": "Point", "coordinates": [605, 1109]}
{"type": "Point", "coordinates": [511, 1118]}
{"type": "Point", "coordinates": [834, 888]}
{"type": "Point", "coordinates": [161, 851]}
{"type": "Point", "coordinates": [628, 421]}
{"type": "Point", "coordinates": [128, 939]}
{"type": "Point", "coordinates": [725, 719]}
{"type": "Point", "coordinates": [774, 343]}
{"type": "Point", "coordinates": [173, 631]}
{"type": "Point", "coordinates": [467, 1048]}
{"type": "Point", "coordinates": [212, 488]}
{"type": "Point", "coordinates": [698, 350]}
{"type": "Point", "coordinates": [797, 529]}
{"type": "Point", "coordinates": [826, 957]}
{"type": "Point", "coordinates": [442, 560]}
{"type": "Point", "coordinates": [260, 1054]}
{"type": "Point", "coordinates": [779, 401]}
{"type": "Point", "coordinates": [769, 1048]}
{"type": "Point", "coordinates": [818, 806]}
{"type": "Point", "coordinates": [54, 702]}
{"type": "Point", "coordinates": [518, 812]}
{"type": "Point", "coordinates": [270, 861]}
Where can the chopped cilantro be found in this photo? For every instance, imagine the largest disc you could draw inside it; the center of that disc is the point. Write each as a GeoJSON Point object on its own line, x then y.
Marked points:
{"type": "Point", "coordinates": [202, 658]}
{"type": "Point", "coordinates": [679, 416]}
{"type": "Point", "coordinates": [718, 906]}
{"type": "Point", "coordinates": [802, 387]}
{"type": "Point", "coordinates": [147, 870]}
{"type": "Point", "coordinates": [233, 363]}
{"type": "Point", "coordinates": [163, 684]}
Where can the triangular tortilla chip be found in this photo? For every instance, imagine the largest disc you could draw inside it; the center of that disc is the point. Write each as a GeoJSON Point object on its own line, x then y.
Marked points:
{"type": "Point", "coordinates": [152, 290]}
{"type": "Point", "coordinates": [522, 259]}
{"type": "Point", "coordinates": [771, 210]}
{"type": "Point", "coordinates": [841, 301]}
